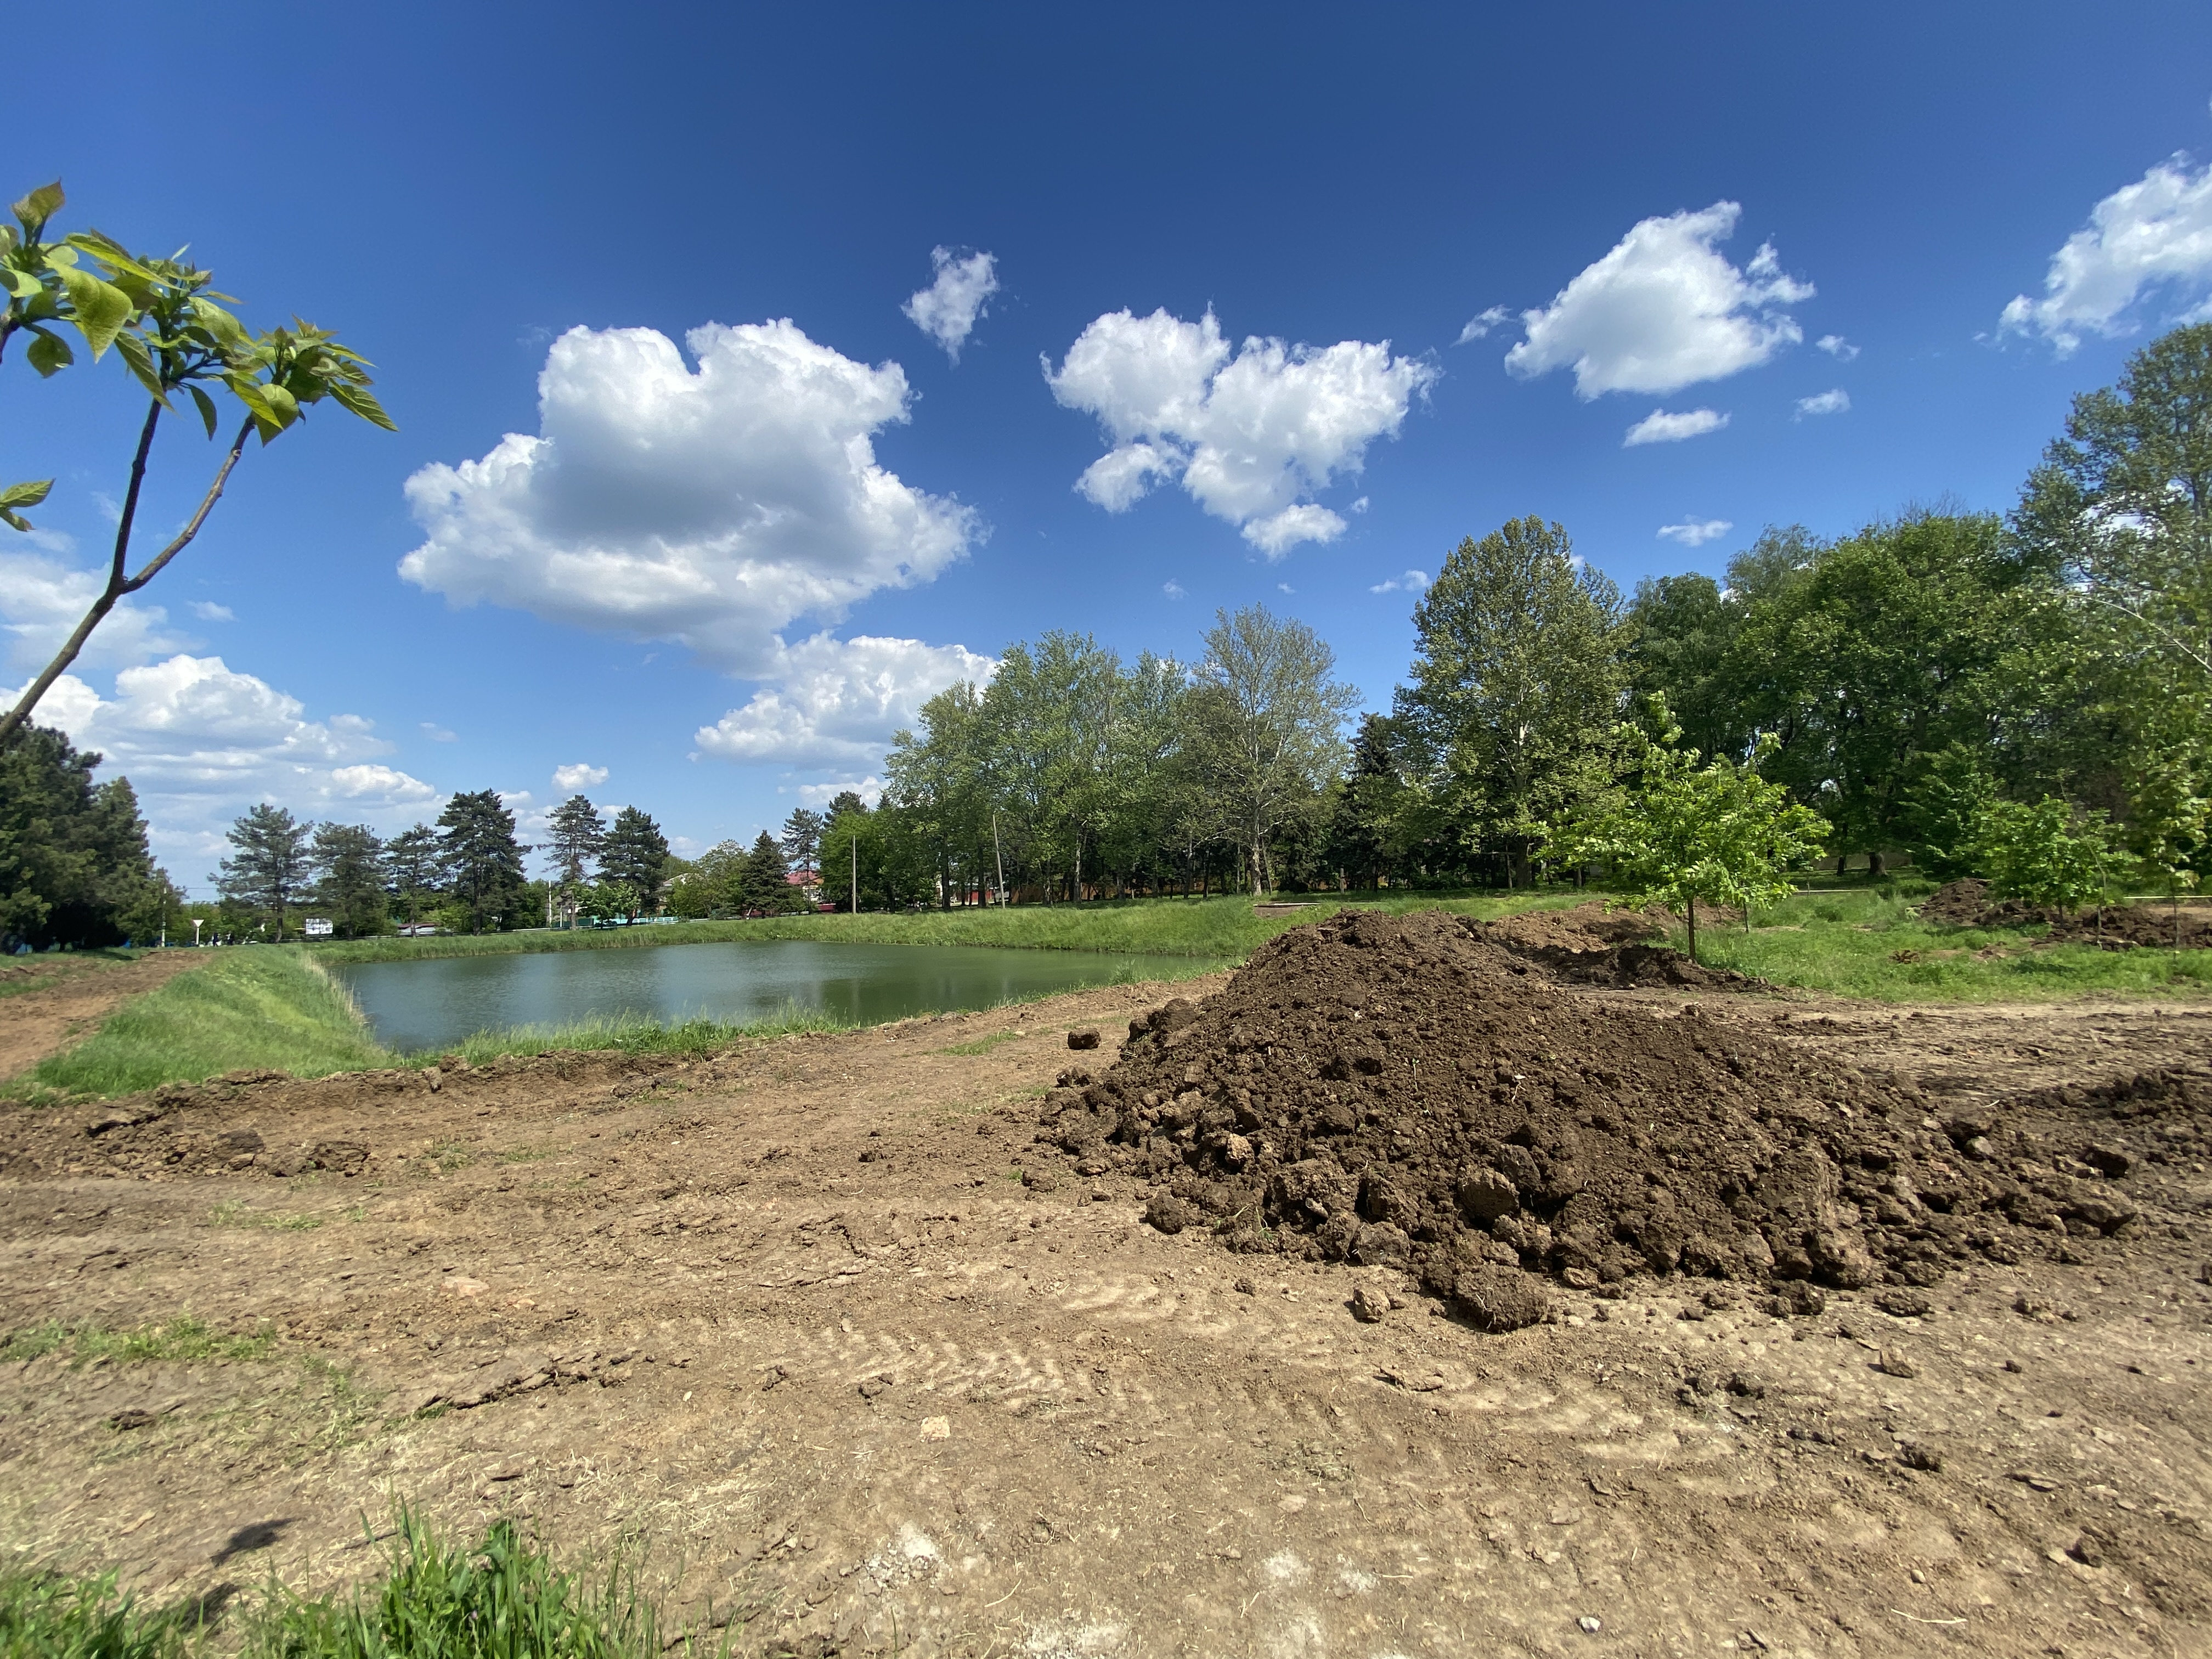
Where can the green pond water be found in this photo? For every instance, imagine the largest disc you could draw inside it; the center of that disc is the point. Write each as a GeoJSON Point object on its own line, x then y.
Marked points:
{"type": "Point", "coordinates": [434, 1004]}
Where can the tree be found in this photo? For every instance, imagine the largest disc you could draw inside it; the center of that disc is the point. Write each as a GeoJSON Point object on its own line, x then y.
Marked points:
{"type": "Point", "coordinates": [480, 857]}
{"type": "Point", "coordinates": [348, 861]}
{"type": "Point", "coordinates": [1943, 811]}
{"type": "Point", "coordinates": [160, 317]}
{"type": "Point", "coordinates": [270, 865]}
{"type": "Point", "coordinates": [580, 834]}
{"type": "Point", "coordinates": [1270, 723]}
{"type": "Point", "coordinates": [2122, 505]}
{"type": "Point", "coordinates": [2166, 833]}
{"type": "Point", "coordinates": [636, 855]}
{"type": "Point", "coordinates": [802, 838]}
{"type": "Point", "coordinates": [1675, 831]}
{"type": "Point", "coordinates": [2048, 853]}
{"type": "Point", "coordinates": [1518, 674]}
{"type": "Point", "coordinates": [890, 860]}
{"type": "Point", "coordinates": [412, 865]}
{"type": "Point", "coordinates": [762, 885]}
{"type": "Point", "coordinates": [74, 864]}
{"type": "Point", "coordinates": [846, 801]}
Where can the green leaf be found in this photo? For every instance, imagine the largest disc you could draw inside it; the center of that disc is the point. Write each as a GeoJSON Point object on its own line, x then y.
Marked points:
{"type": "Point", "coordinates": [40, 205]}
{"type": "Point", "coordinates": [226, 329]}
{"type": "Point", "coordinates": [111, 253]}
{"type": "Point", "coordinates": [206, 406]}
{"type": "Point", "coordinates": [20, 284]}
{"type": "Point", "coordinates": [102, 309]}
{"type": "Point", "coordinates": [26, 495]}
{"type": "Point", "coordinates": [362, 402]}
{"type": "Point", "coordinates": [140, 361]}
{"type": "Point", "coordinates": [49, 354]}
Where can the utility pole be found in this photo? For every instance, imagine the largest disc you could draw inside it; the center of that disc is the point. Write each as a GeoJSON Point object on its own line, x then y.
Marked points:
{"type": "Point", "coordinates": [856, 872]}
{"type": "Point", "coordinates": [1000, 856]}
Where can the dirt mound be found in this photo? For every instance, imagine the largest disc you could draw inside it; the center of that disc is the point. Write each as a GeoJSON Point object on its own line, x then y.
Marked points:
{"type": "Point", "coordinates": [1405, 1091]}
{"type": "Point", "coordinates": [1590, 927]}
{"type": "Point", "coordinates": [2149, 926]}
{"type": "Point", "coordinates": [1593, 943]}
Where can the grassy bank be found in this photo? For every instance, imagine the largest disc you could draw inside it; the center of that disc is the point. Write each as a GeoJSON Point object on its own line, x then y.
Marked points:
{"type": "Point", "coordinates": [1225, 929]}
{"type": "Point", "coordinates": [263, 1006]}
{"type": "Point", "coordinates": [1867, 943]}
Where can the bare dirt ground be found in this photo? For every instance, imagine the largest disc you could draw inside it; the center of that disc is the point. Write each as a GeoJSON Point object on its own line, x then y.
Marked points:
{"type": "Point", "coordinates": [791, 1317]}
{"type": "Point", "coordinates": [64, 997]}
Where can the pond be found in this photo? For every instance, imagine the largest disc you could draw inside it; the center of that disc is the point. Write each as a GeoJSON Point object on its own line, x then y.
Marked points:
{"type": "Point", "coordinates": [434, 1004]}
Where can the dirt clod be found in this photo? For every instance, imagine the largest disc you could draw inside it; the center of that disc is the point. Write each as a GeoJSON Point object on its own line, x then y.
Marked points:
{"type": "Point", "coordinates": [1083, 1039]}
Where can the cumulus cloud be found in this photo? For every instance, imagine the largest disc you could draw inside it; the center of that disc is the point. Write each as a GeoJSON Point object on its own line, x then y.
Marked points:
{"type": "Point", "coordinates": [1660, 426]}
{"type": "Point", "coordinates": [1414, 581]}
{"type": "Point", "coordinates": [869, 789]}
{"type": "Point", "coordinates": [2153, 234]}
{"type": "Point", "coordinates": [838, 701]}
{"type": "Point", "coordinates": [438, 734]}
{"type": "Point", "coordinates": [569, 779]}
{"type": "Point", "coordinates": [200, 742]}
{"type": "Point", "coordinates": [1663, 310]}
{"type": "Point", "coordinates": [1247, 434]}
{"type": "Point", "coordinates": [1482, 323]}
{"type": "Point", "coordinates": [208, 610]}
{"type": "Point", "coordinates": [1834, 401]}
{"type": "Point", "coordinates": [42, 600]}
{"type": "Point", "coordinates": [713, 507]}
{"type": "Point", "coordinates": [948, 308]}
{"type": "Point", "coordinates": [1837, 347]}
{"type": "Point", "coordinates": [1695, 532]}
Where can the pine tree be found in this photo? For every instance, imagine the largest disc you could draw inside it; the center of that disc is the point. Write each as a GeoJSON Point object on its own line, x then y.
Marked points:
{"type": "Point", "coordinates": [481, 859]}
{"type": "Point", "coordinates": [270, 865]}
{"type": "Point", "coordinates": [411, 862]}
{"type": "Point", "coordinates": [764, 882]}
{"type": "Point", "coordinates": [348, 865]}
{"type": "Point", "coordinates": [636, 855]}
{"type": "Point", "coordinates": [74, 865]}
{"type": "Point", "coordinates": [802, 838]}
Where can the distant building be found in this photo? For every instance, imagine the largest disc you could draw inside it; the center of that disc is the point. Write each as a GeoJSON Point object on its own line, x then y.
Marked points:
{"type": "Point", "coordinates": [808, 883]}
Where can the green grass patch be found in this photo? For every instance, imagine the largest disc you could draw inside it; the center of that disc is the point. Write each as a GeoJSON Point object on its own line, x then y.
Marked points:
{"type": "Point", "coordinates": [1866, 942]}
{"type": "Point", "coordinates": [236, 1213]}
{"type": "Point", "coordinates": [982, 1045]}
{"type": "Point", "coordinates": [45, 969]}
{"type": "Point", "coordinates": [501, 1595]}
{"type": "Point", "coordinates": [258, 1006]}
{"type": "Point", "coordinates": [184, 1338]}
{"type": "Point", "coordinates": [638, 1037]}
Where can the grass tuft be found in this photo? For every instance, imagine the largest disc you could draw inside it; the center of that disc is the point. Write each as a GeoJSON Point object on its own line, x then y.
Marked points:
{"type": "Point", "coordinates": [183, 1338]}
{"type": "Point", "coordinates": [45, 1615]}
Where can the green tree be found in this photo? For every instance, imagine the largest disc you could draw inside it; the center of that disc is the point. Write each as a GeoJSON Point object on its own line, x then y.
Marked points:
{"type": "Point", "coordinates": [802, 838]}
{"type": "Point", "coordinates": [762, 883]}
{"type": "Point", "coordinates": [1676, 831]}
{"type": "Point", "coordinates": [1269, 720]}
{"type": "Point", "coordinates": [270, 867]}
{"type": "Point", "coordinates": [348, 864]}
{"type": "Point", "coordinates": [74, 864]}
{"type": "Point", "coordinates": [2166, 830]}
{"type": "Point", "coordinates": [1681, 632]}
{"type": "Point", "coordinates": [412, 865]}
{"type": "Point", "coordinates": [481, 860]}
{"type": "Point", "coordinates": [1518, 674]}
{"type": "Point", "coordinates": [2048, 853]}
{"type": "Point", "coordinates": [1944, 809]}
{"type": "Point", "coordinates": [161, 318]}
{"type": "Point", "coordinates": [636, 854]}
{"type": "Point", "coordinates": [579, 835]}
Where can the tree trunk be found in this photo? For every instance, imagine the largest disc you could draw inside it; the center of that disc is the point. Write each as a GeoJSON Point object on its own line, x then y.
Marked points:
{"type": "Point", "coordinates": [1694, 926]}
{"type": "Point", "coordinates": [1876, 867]}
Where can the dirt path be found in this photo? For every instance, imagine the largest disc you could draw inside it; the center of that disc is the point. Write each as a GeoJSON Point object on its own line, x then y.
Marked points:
{"type": "Point", "coordinates": [792, 1317]}
{"type": "Point", "coordinates": [68, 996]}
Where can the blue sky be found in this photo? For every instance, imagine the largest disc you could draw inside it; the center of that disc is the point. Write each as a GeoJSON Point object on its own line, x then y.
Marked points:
{"type": "Point", "coordinates": [714, 570]}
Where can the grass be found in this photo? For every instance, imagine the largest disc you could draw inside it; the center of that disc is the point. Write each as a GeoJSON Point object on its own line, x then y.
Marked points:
{"type": "Point", "coordinates": [632, 1036]}
{"type": "Point", "coordinates": [263, 1007]}
{"type": "Point", "coordinates": [1865, 942]}
{"type": "Point", "coordinates": [45, 969]}
{"type": "Point", "coordinates": [502, 1597]}
{"type": "Point", "coordinates": [236, 1213]}
{"type": "Point", "coordinates": [183, 1338]}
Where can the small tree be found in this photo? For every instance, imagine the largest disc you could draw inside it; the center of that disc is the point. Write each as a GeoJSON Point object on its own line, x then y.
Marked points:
{"type": "Point", "coordinates": [411, 864]}
{"type": "Point", "coordinates": [2048, 853]}
{"type": "Point", "coordinates": [2166, 833]}
{"type": "Point", "coordinates": [348, 865]}
{"type": "Point", "coordinates": [763, 884]}
{"type": "Point", "coordinates": [160, 317]}
{"type": "Point", "coordinates": [270, 865]}
{"type": "Point", "coordinates": [1676, 831]}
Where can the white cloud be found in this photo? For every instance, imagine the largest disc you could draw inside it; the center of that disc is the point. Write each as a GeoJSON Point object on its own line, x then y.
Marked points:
{"type": "Point", "coordinates": [206, 610]}
{"type": "Point", "coordinates": [838, 701]}
{"type": "Point", "coordinates": [869, 789]}
{"type": "Point", "coordinates": [1172, 588]}
{"type": "Point", "coordinates": [1284, 587]}
{"type": "Point", "coordinates": [1695, 532]}
{"type": "Point", "coordinates": [438, 734]}
{"type": "Point", "coordinates": [948, 308]}
{"type": "Point", "coordinates": [1247, 434]}
{"type": "Point", "coordinates": [1414, 581]}
{"type": "Point", "coordinates": [201, 742]}
{"type": "Point", "coordinates": [1837, 347]}
{"type": "Point", "coordinates": [1835, 401]}
{"type": "Point", "coordinates": [569, 779]}
{"type": "Point", "coordinates": [1482, 323]}
{"type": "Point", "coordinates": [1660, 426]}
{"type": "Point", "coordinates": [2155, 232]}
{"type": "Point", "coordinates": [42, 601]}
{"type": "Point", "coordinates": [712, 507]}
{"type": "Point", "coordinates": [1663, 310]}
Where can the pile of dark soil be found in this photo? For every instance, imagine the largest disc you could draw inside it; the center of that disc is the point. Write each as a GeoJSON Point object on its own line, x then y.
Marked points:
{"type": "Point", "coordinates": [1406, 1091]}
{"type": "Point", "coordinates": [2149, 926]}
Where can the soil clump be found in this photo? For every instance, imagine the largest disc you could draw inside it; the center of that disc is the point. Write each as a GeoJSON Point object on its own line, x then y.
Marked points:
{"type": "Point", "coordinates": [1408, 1092]}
